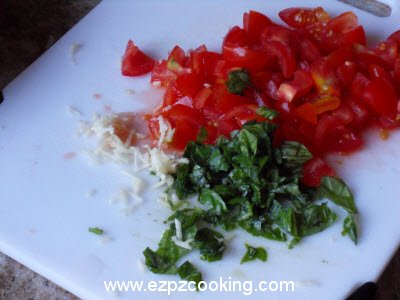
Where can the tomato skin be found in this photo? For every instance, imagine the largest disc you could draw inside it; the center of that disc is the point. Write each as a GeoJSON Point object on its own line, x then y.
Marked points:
{"type": "Point", "coordinates": [340, 56]}
{"type": "Point", "coordinates": [344, 114]}
{"type": "Point", "coordinates": [184, 113]}
{"type": "Point", "coordinates": [346, 73]}
{"type": "Point", "coordinates": [225, 101]}
{"type": "Point", "coordinates": [325, 78]}
{"type": "Point", "coordinates": [341, 31]}
{"type": "Point", "coordinates": [358, 85]}
{"type": "Point", "coordinates": [387, 51]}
{"type": "Point", "coordinates": [161, 75]}
{"type": "Point", "coordinates": [314, 170]}
{"type": "Point", "coordinates": [285, 55]}
{"type": "Point", "coordinates": [333, 137]}
{"type": "Point", "coordinates": [307, 112]}
{"type": "Point", "coordinates": [245, 57]}
{"type": "Point", "coordinates": [361, 115]}
{"type": "Point", "coordinates": [298, 87]}
{"type": "Point", "coordinates": [236, 37]}
{"type": "Point", "coordinates": [253, 23]}
{"type": "Point", "coordinates": [135, 62]}
{"type": "Point", "coordinates": [184, 133]}
{"type": "Point", "coordinates": [178, 55]}
{"type": "Point", "coordinates": [395, 36]}
{"type": "Point", "coordinates": [381, 97]}
{"type": "Point", "coordinates": [304, 17]}
{"type": "Point", "coordinates": [242, 114]}
{"type": "Point", "coordinates": [309, 51]}
{"type": "Point", "coordinates": [281, 34]}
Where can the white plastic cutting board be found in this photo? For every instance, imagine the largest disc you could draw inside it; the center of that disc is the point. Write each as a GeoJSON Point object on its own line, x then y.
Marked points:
{"type": "Point", "coordinates": [44, 214]}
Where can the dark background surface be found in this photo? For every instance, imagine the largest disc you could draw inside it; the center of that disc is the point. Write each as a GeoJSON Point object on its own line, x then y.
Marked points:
{"type": "Point", "coordinates": [27, 29]}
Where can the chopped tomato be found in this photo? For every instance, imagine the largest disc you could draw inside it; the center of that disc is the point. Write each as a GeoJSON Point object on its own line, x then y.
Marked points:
{"type": "Point", "coordinates": [298, 87]}
{"type": "Point", "coordinates": [309, 51]}
{"type": "Point", "coordinates": [254, 22]}
{"type": "Point", "coordinates": [161, 75]}
{"type": "Point", "coordinates": [358, 85]}
{"type": "Point", "coordinates": [325, 78]}
{"type": "Point", "coordinates": [304, 17]}
{"type": "Point", "coordinates": [307, 112]}
{"type": "Point", "coordinates": [285, 55]}
{"type": "Point", "coordinates": [387, 51]}
{"type": "Point", "coordinates": [346, 73]}
{"type": "Point", "coordinates": [381, 97]}
{"type": "Point", "coordinates": [314, 170]}
{"type": "Point", "coordinates": [326, 84]}
{"type": "Point", "coordinates": [184, 113]}
{"type": "Point", "coordinates": [135, 62]}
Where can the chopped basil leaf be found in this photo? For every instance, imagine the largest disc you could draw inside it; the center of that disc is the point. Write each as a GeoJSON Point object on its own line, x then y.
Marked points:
{"type": "Point", "coordinates": [238, 80]}
{"type": "Point", "coordinates": [210, 243]}
{"type": "Point", "coordinates": [266, 112]}
{"type": "Point", "coordinates": [188, 272]}
{"type": "Point", "coordinates": [294, 154]}
{"type": "Point", "coordinates": [212, 201]}
{"type": "Point", "coordinates": [316, 218]}
{"type": "Point", "coordinates": [244, 181]}
{"type": "Point", "coordinates": [336, 190]}
{"type": "Point", "coordinates": [253, 253]}
{"type": "Point", "coordinates": [96, 230]}
{"type": "Point", "coordinates": [350, 227]}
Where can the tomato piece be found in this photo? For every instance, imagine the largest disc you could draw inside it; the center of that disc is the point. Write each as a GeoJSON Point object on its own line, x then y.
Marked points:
{"type": "Point", "coordinates": [201, 98]}
{"type": "Point", "coordinates": [334, 41]}
{"type": "Point", "coordinates": [184, 113]}
{"type": "Point", "coordinates": [253, 23]}
{"type": "Point", "coordinates": [307, 112]}
{"type": "Point", "coordinates": [245, 57]}
{"type": "Point", "coordinates": [309, 51]}
{"type": "Point", "coordinates": [344, 114]}
{"type": "Point", "coordinates": [387, 51]}
{"type": "Point", "coordinates": [236, 37]}
{"type": "Point", "coordinates": [376, 71]}
{"type": "Point", "coordinates": [389, 123]}
{"type": "Point", "coordinates": [395, 36]}
{"type": "Point", "coordinates": [212, 134]}
{"type": "Point", "coordinates": [397, 71]}
{"type": "Point", "coordinates": [226, 126]}
{"type": "Point", "coordinates": [358, 85]}
{"type": "Point", "coordinates": [314, 170]}
{"type": "Point", "coordinates": [342, 23]}
{"type": "Point", "coordinates": [381, 97]}
{"type": "Point", "coordinates": [196, 59]}
{"type": "Point", "coordinates": [184, 133]}
{"type": "Point", "coordinates": [178, 55]}
{"type": "Point", "coordinates": [281, 34]}
{"type": "Point", "coordinates": [346, 73]}
{"type": "Point", "coordinates": [135, 62]}
{"type": "Point", "coordinates": [225, 101]}
{"type": "Point", "coordinates": [243, 113]}
{"type": "Point", "coordinates": [325, 78]}
{"type": "Point", "coordinates": [298, 17]}
{"type": "Point", "coordinates": [326, 103]}
{"type": "Point", "coordinates": [331, 136]}
{"type": "Point", "coordinates": [188, 85]}
{"type": "Point", "coordinates": [298, 87]}
{"type": "Point", "coordinates": [361, 115]}
{"type": "Point", "coordinates": [161, 75]}
{"type": "Point", "coordinates": [340, 56]}
{"type": "Point", "coordinates": [285, 55]}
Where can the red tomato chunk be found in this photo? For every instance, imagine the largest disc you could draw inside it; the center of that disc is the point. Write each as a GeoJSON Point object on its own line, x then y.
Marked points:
{"type": "Point", "coordinates": [317, 72]}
